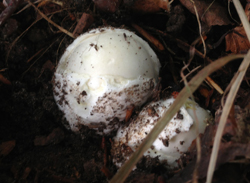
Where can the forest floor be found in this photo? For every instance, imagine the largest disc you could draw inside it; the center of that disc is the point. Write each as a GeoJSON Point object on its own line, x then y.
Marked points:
{"type": "Point", "coordinates": [35, 147]}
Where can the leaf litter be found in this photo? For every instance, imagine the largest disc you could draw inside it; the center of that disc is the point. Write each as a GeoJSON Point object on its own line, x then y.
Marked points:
{"type": "Point", "coordinates": [35, 147]}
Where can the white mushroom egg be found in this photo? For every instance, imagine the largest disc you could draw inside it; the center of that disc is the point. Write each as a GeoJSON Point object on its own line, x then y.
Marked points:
{"type": "Point", "coordinates": [172, 142]}
{"type": "Point", "coordinates": [101, 74]}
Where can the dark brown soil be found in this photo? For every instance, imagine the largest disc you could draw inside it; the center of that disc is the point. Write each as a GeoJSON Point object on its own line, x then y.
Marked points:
{"type": "Point", "coordinates": [39, 148]}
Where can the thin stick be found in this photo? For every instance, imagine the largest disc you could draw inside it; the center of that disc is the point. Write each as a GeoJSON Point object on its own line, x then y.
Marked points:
{"type": "Point", "coordinates": [230, 99]}
{"type": "Point", "coordinates": [33, 56]}
{"type": "Point", "coordinates": [215, 85]}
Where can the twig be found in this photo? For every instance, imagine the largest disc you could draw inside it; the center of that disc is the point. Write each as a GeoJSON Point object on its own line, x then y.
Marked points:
{"type": "Point", "coordinates": [33, 56]}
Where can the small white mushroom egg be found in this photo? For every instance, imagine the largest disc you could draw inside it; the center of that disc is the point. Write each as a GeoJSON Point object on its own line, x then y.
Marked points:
{"type": "Point", "coordinates": [172, 142]}
{"type": "Point", "coordinates": [101, 74]}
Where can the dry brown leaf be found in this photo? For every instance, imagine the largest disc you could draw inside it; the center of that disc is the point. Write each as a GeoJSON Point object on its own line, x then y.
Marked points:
{"type": "Point", "coordinates": [211, 13]}
{"type": "Point", "coordinates": [107, 172]}
{"type": "Point", "coordinates": [4, 80]}
{"type": "Point", "coordinates": [26, 173]}
{"type": "Point", "coordinates": [206, 93]}
{"type": "Point", "coordinates": [149, 37]}
{"type": "Point", "coordinates": [237, 41]}
{"type": "Point", "coordinates": [56, 136]}
{"type": "Point", "coordinates": [10, 27]}
{"type": "Point", "coordinates": [109, 6]}
{"type": "Point", "coordinates": [142, 178]}
{"type": "Point", "coordinates": [83, 24]}
{"type": "Point", "coordinates": [230, 127]}
{"type": "Point", "coordinates": [137, 6]}
{"type": "Point", "coordinates": [149, 6]}
{"type": "Point", "coordinates": [227, 152]}
{"type": "Point", "coordinates": [7, 147]}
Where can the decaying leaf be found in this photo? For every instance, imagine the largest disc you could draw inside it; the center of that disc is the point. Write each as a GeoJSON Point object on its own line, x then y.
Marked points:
{"type": "Point", "coordinates": [137, 6]}
{"type": "Point", "coordinates": [47, 65]}
{"type": "Point", "coordinates": [206, 93]}
{"type": "Point", "coordinates": [10, 27]}
{"type": "Point", "coordinates": [149, 6]}
{"type": "Point", "coordinates": [107, 172]}
{"type": "Point", "coordinates": [142, 178]}
{"type": "Point", "coordinates": [210, 12]}
{"type": "Point", "coordinates": [4, 80]}
{"type": "Point", "coordinates": [7, 147]}
{"type": "Point", "coordinates": [56, 136]}
{"type": "Point", "coordinates": [237, 41]}
{"type": "Point", "coordinates": [109, 6]}
{"type": "Point", "coordinates": [227, 152]}
{"type": "Point", "coordinates": [149, 37]}
{"type": "Point", "coordinates": [85, 21]}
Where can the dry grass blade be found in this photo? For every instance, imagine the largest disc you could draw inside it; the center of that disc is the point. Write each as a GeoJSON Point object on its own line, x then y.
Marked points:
{"type": "Point", "coordinates": [15, 41]}
{"type": "Point", "coordinates": [229, 102]}
{"type": "Point", "coordinates": [230, 99]}
{"type": "Point", "coordinates": [124, 171]}
{"type": "Point", "coordinates": [215, 85]}
{"type": "Point", "coordinates": [27, 6]}
{"type": "Point", "coordinates": [198, 142]}
{"type": "Point", "coordinates": [243, 17]}
{"type": "Point", "coordinates": [51, 22]}
{"type": "Point", "coordinates": [199, 24]}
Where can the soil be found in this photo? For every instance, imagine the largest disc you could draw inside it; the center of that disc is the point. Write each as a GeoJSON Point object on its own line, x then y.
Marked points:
{"type": "Point", "coordinates": [35, 145]}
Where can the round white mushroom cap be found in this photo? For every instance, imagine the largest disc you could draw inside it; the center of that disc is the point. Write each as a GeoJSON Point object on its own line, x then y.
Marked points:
{"type": "Point", "coordinates": [172, 142]}
{"type": "Point", "coordinates": [101, 74]}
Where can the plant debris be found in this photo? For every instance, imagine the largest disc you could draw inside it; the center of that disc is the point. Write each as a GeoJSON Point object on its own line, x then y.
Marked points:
{"type": "Point", "coordinates": [36, 147]}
